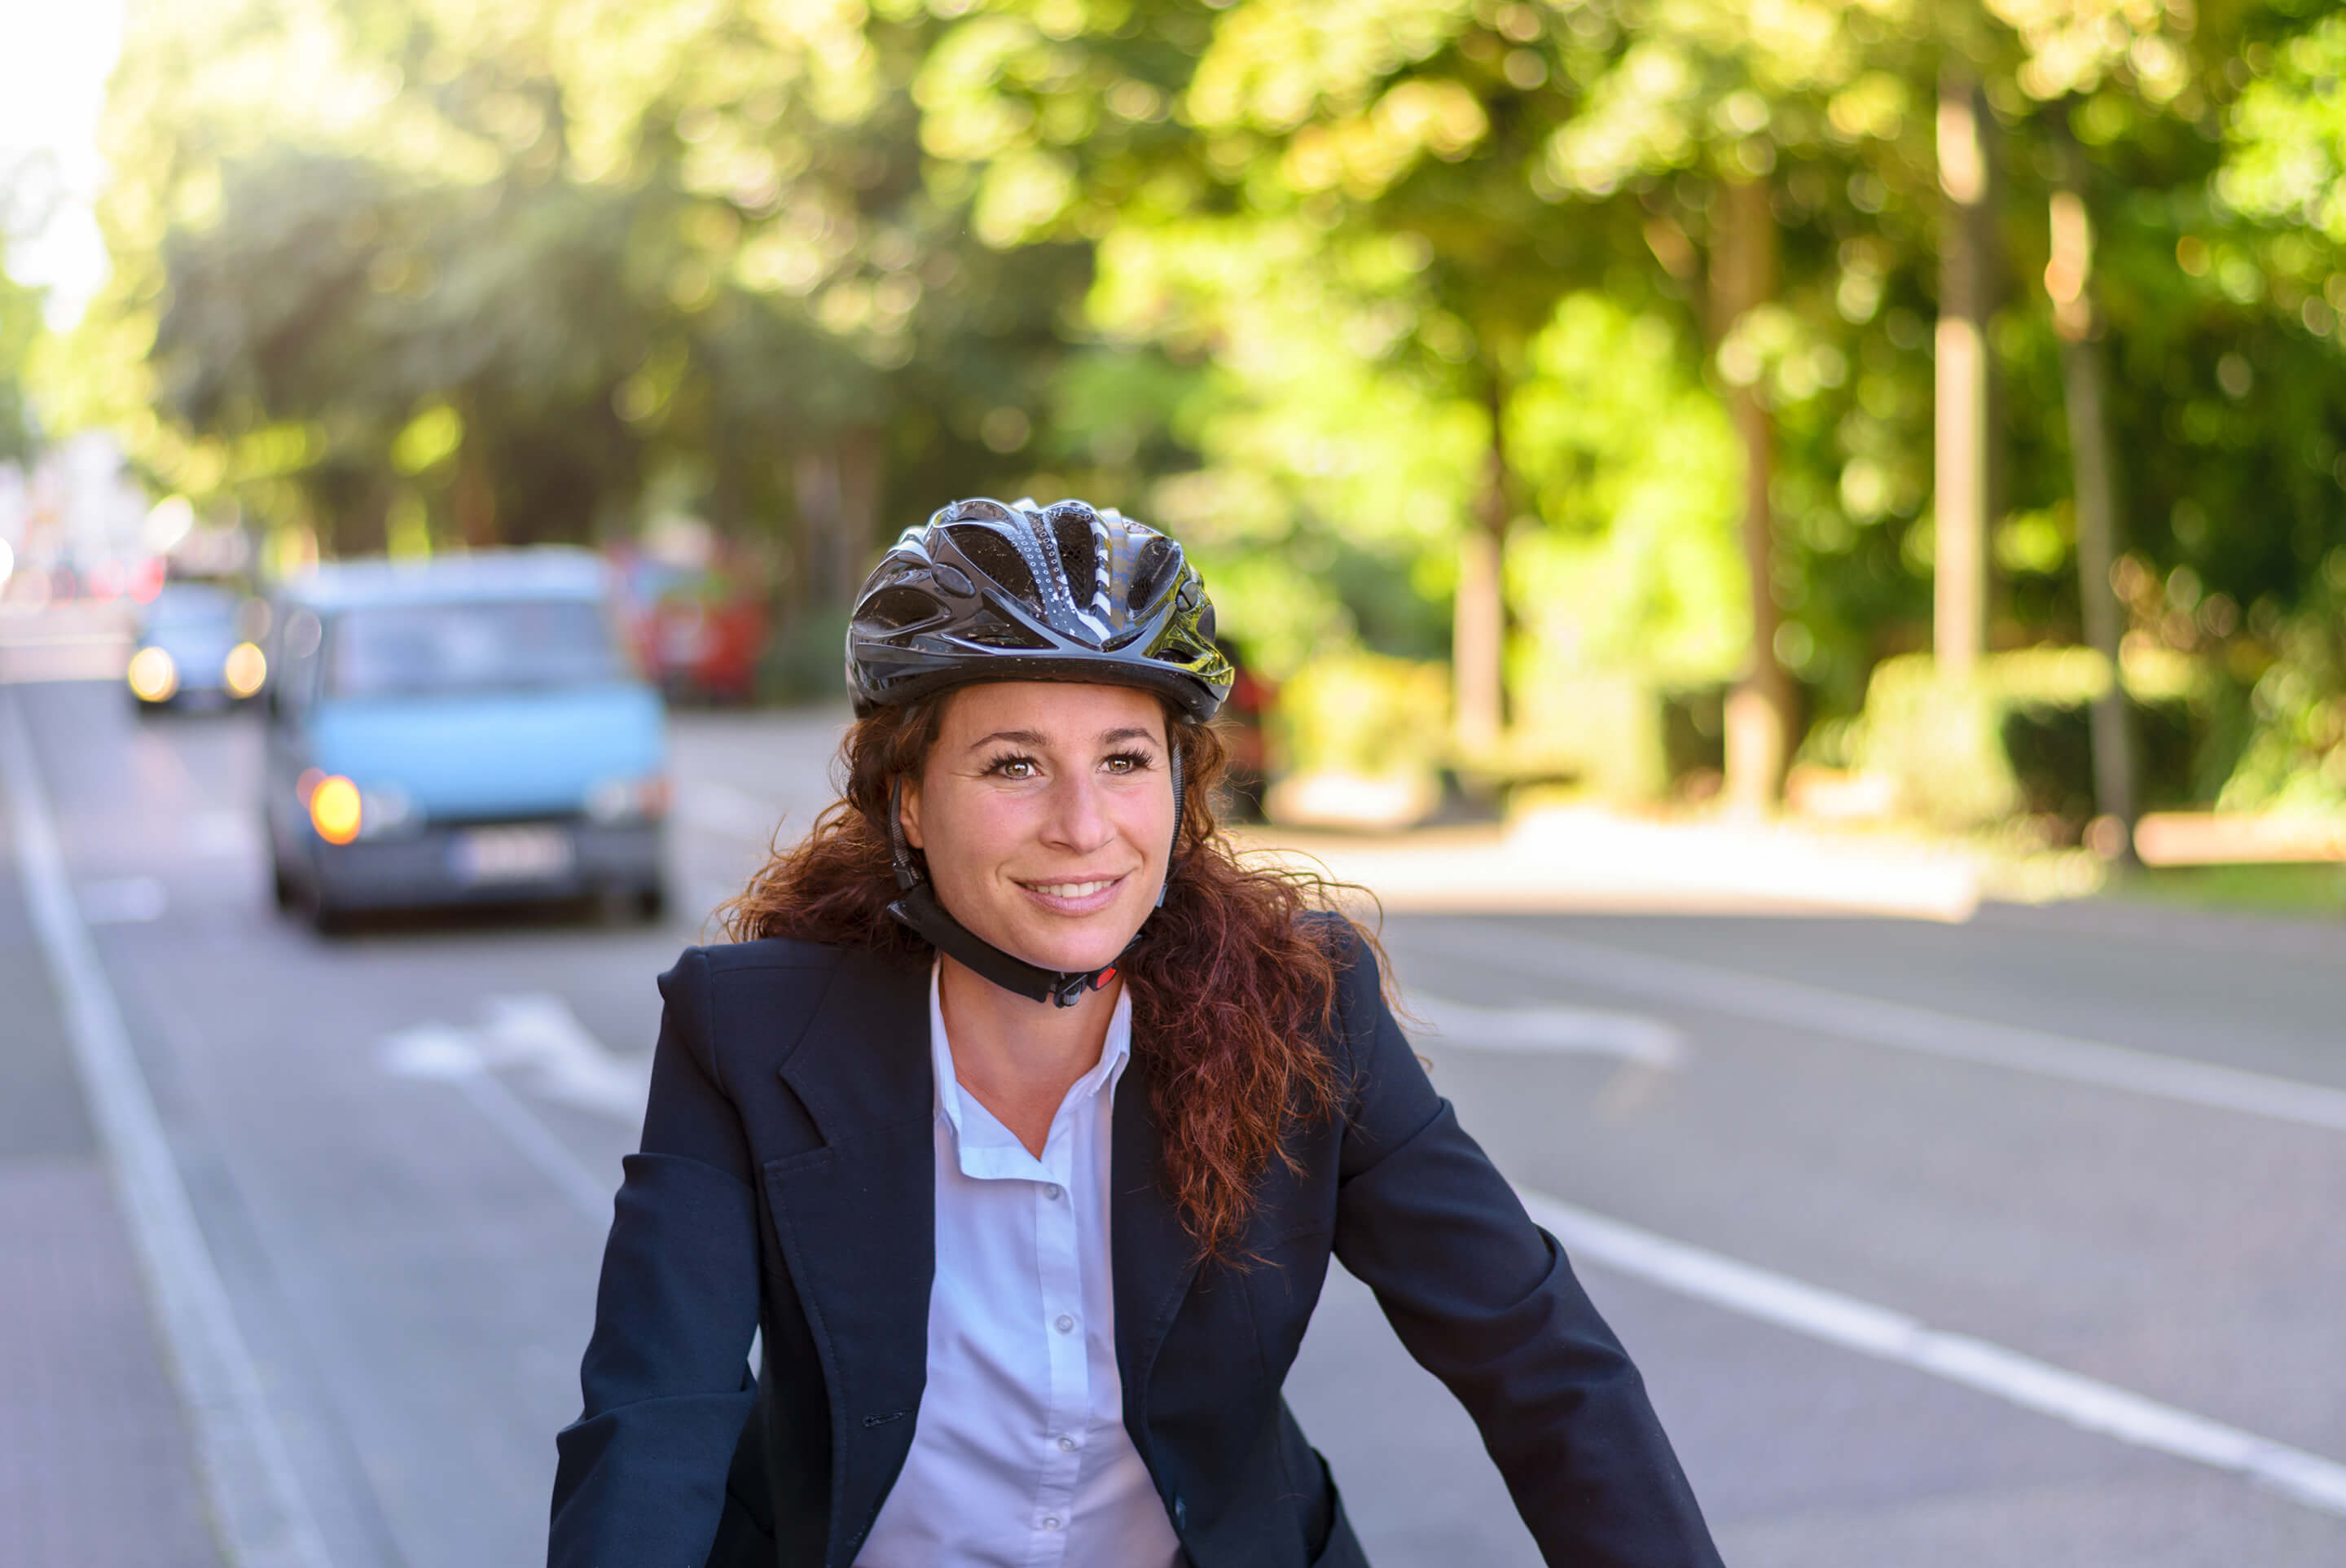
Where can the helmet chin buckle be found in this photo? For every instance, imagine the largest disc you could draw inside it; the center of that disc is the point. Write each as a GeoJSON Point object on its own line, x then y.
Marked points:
{"type": "Point", "coordinates": [919, 911]}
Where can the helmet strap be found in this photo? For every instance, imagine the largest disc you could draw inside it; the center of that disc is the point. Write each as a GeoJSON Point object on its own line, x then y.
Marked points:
{"type": "Point", "coordinates": [919, 911]}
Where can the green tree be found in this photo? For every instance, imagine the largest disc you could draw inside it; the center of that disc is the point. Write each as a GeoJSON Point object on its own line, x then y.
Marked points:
{"type": "Point", "coordinates": [20, 332]}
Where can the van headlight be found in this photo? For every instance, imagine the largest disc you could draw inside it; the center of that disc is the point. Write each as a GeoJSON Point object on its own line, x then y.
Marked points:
{"type": "Point", "coordinates": [245, 668]}
{"type": "Point", "coordinates": [342, 812]}
{"type": "Point", "coordinates": [154, 675]}
{"type": "Point", "coordinates": [641, 799]}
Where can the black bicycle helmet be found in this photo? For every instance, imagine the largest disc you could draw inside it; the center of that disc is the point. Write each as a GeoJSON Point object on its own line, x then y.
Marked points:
{"type": "Point", "coordinates": [987, 592]}
{"type": "Point", "coordinates": [984, 591]}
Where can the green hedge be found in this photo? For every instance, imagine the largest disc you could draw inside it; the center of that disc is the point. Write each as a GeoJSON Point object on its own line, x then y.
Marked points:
{"type": "Point", "coordinates": [2015, 738]}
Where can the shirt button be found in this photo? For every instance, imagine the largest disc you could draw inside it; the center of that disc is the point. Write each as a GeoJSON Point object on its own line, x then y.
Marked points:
{"type": "Point", "coordinates": [1067, 1445]}
{"type": "Point", "coordinates": [1050, 1522]}
{"type": "Point", "coordinates": [1053, 1193]}
{"type": "Point", "coordinates": [1066, 1325]}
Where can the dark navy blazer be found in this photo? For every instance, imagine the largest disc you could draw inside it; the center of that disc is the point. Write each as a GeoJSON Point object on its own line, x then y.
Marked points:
{"type": "Point", "coordinates": [786, 1183]}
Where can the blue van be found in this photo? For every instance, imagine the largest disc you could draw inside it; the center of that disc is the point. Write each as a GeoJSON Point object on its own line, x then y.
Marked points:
{"type": "Point", "coordinates": [464, 730]}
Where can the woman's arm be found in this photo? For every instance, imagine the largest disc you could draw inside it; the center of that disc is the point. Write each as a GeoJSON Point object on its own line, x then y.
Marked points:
{"type": "Point", "coordinates": [1485, 1300]}
{"type": "Point", "coordinates": [641, 1479]}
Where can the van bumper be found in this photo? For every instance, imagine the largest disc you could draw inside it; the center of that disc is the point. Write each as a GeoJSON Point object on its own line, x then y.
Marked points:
{"type": "Point", "coordinates": [446, 864]}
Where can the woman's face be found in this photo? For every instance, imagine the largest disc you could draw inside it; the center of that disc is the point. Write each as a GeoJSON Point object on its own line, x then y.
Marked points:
{"type": "Point", "coordinates": [1046, 809]}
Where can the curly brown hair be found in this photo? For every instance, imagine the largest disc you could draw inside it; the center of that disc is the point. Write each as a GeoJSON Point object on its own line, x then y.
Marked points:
{"type": "Point", "coordinates": [1233, 990]}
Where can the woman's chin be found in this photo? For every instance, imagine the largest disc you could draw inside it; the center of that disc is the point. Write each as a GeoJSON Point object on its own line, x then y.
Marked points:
{"type": "Point", "coordinates": [1093, 943]}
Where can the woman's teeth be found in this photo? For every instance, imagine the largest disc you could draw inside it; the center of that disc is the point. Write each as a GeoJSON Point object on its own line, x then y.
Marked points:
{"type": "Point", "coordinates": [1072, 889]}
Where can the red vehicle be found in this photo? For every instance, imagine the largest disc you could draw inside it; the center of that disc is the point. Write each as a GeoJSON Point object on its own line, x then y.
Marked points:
{"type": "Point", "coordinates": [698, 629]}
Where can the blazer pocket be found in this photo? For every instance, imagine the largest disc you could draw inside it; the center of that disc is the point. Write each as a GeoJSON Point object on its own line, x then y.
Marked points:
{"type": "Point", "coordinates": [1342, 1548]}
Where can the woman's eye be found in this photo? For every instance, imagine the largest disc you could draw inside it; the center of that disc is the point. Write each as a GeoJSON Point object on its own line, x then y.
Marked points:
{"type": "Point", "coordinates": [1127, 762]}
{"type": "Point", "coordinates": [1013, 766]}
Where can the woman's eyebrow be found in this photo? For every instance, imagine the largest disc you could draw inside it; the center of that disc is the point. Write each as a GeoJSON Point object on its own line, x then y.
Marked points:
{"type": "Point", "coordinates": [1015, 737]}
{"type": "Point", "coordinates": [1038, 740]}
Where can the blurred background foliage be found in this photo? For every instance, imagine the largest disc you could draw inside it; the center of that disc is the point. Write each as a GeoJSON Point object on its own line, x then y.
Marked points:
{"type": "Point", "coordinates": [1411, 317]}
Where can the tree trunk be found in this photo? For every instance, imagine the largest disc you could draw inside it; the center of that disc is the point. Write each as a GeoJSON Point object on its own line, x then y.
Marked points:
{"type": "Point", "coordinates": [1760, 711]}
{"type": "Point", "coordinates": [473, 500]}
{"type": "Point", "coordinates": [2068, 278]}
{"type": "Point", "coordinates": [838, 492]}
{"type": "Point", "coordinates": [1962, 467]}
{"type": "Point", "coordinates": [1478, 612]}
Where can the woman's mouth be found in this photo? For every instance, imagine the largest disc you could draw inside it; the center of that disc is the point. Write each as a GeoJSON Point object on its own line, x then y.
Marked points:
{"type": "Point", "coordinates": [1076, 896]}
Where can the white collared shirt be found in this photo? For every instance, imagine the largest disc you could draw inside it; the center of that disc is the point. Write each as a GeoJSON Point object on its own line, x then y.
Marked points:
{"type": "Point", "coordinates": [1019, 1456]}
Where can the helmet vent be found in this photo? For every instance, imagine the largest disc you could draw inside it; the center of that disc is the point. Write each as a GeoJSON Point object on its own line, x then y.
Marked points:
{"type": "Point", "coordinates": [1075, 531]}
{"type": "Point", "coordinates": [895, 608]}
{"type": "Point", "coordinates": [1158, 559]}
{"type": "Point", "coordinates": [998, 559]}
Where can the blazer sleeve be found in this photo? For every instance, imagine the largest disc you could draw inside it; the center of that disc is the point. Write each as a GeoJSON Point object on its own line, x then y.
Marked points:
{"type": "Point", "coordinates": [1485, 1300]}
{"type": "Point", "coordinates": [639, 1479]}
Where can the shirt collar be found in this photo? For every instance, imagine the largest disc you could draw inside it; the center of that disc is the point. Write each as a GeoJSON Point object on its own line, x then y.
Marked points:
{"type": "Point", "coordinates": [986, 1148]}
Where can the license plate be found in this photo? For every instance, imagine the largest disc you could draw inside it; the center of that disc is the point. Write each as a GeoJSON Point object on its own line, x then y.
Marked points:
{"type": "Point", "coordinates": [510, 854]}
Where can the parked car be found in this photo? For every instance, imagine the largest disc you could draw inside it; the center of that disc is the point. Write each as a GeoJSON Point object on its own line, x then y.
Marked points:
{"type": "Point", "coordinates": [192, 649]}
{"type": "Point", "coordinates": [465, 730]}
{"type": "Point", "coordinates": [700, 630]}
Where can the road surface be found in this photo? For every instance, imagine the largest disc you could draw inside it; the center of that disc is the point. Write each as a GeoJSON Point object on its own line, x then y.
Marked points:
{"type": "Point", "coordinates": [2009, 1241]}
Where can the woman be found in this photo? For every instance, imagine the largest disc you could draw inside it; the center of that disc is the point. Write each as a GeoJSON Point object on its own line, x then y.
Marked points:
{"type": "Point", "coordinates": [1023, 1121]}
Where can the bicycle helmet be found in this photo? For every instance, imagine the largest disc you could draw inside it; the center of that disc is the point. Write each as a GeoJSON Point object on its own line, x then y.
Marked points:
{"type": "Point", "coordinates": [985, 591]}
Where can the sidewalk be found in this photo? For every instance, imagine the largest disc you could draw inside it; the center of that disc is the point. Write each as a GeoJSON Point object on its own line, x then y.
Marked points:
{"type": "Point", "coordinates": [96, 1470]}
{"type": "Point", "coordinates": [1590, 858]}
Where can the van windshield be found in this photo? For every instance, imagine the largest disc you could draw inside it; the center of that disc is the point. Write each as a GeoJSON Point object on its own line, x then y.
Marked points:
{"type": "Point", "coordinates": [409, 649]}
{"type": "Point", "coordinates": [187, 604]}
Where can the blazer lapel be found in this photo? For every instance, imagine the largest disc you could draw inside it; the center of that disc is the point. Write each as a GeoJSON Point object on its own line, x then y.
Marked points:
{"type": "Point", "coordinates": [1151, 1257]}
{"type": "Point", "coordinates": [857, 1222]}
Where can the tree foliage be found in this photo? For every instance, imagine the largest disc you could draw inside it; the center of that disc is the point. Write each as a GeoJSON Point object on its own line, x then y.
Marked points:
{"type": "Point", "coordinates": [1327, 285]}
{"type": "Point", "coordinates": [20, 330]}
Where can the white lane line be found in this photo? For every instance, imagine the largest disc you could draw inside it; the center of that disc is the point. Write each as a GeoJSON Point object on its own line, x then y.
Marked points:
{"type": "Point", "coordinates": [1921, 1030]}
{"type": "Point", "coordinates": [1888, 1336]}
{"type": "Point", "coordinates": [458, 1056]}
{"type": "Point", "coordinates": [434, 1050]}
{"type": "Point", "coordinates": [589, 1196]}
{"type": "Point", "coordinates": [1564, 1030]}
{"type": "Point", "coordinates": [257, 1503]}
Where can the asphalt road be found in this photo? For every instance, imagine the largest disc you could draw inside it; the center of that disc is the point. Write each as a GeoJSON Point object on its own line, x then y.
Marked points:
{"type": "Point", "coordinates": [398, 1146]}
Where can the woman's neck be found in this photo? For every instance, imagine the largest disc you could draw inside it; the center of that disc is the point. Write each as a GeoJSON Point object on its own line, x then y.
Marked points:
{"type": "Point", "coordinates": [1020, 1057]}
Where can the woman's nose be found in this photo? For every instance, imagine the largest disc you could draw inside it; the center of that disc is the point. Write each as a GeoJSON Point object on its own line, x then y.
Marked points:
{"type": "Point", "coordinates": [1079, 818]}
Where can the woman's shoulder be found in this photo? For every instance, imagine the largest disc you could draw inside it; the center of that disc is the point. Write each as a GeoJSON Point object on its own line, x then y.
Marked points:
{"type": "Point", "coordinates": [734, 1003]}
{"type": "Point", "coordinates": [767, 952]}
{"type": "Point", "coordinates": [777, 963]}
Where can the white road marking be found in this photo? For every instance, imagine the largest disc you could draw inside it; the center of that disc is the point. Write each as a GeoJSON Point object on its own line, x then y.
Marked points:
{"type": "Point", "coordinates": [1564, 1030]}
{"type": "Point", "coordinates": [571, 1065]}
{"type": "Point", "coordinates": [1921, 1030]}
{"type": "Point", "coordinates": [537, 1032]}
{"type": "Point", "coordinates": [257, 1503]}
{"type": "Point", "coordinates": [123, 901]}
{"type": "Point", "coordinates": [1889, 1336]}
{"type": "Point", "coordinates": [542, 1029]}
{"type": "Point", "coordinates": [455, 1056]}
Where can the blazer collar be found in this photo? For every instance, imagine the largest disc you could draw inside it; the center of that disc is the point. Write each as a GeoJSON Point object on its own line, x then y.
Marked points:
{"type": "Point", "coordinates": [1151, 1257]}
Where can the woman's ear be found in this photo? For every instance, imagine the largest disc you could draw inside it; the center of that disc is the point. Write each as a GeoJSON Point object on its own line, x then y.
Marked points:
{"type": "Point", "coordinates": [909, 812]}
